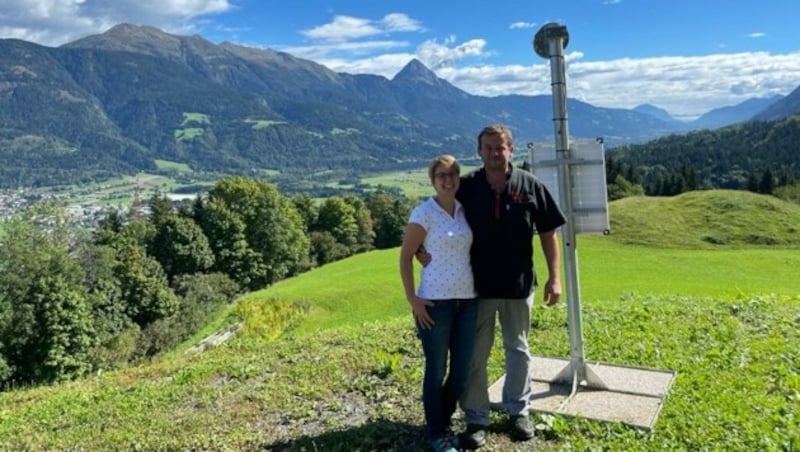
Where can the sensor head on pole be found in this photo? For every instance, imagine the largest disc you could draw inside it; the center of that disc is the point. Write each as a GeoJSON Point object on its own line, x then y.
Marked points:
{"type": "Point", "coordinates": [549, 31]}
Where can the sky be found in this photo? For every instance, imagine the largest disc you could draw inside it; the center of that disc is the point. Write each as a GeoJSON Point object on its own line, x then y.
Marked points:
{"type": "Point", "coordinates": [685, 56]}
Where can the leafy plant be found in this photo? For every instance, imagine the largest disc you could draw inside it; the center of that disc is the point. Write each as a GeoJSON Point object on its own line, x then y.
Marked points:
{"type": "Point", "coordinates": [386, 363]}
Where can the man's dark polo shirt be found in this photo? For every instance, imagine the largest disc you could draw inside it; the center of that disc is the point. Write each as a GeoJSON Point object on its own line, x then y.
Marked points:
{"type": "Point", "coordinates": [503, 227]}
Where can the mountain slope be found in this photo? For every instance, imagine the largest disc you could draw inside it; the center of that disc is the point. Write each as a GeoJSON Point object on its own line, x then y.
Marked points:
{"type": "Point", "coordinates": [787, 106]}
{"type": "Point", "coordinates": [52, 126]}
{"type": "Point", "coordinates": [730, 157]}
{"type": "Point", "coordinates": [133, 94]}
{"type": "Point", "coordinates": [725, 116]}
{"type": "Point", "coordinates": [652, 110]}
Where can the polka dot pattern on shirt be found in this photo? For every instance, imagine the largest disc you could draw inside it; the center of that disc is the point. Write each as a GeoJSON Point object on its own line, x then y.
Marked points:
{"type": "Point", "coordinates": [448, 240]}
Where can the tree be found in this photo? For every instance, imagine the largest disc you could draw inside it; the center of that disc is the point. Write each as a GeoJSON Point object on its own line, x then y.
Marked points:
{"type": "Point", "coordinates": [226, 237]}
{"type": "Point", "coordinates": [338, 218]}
{"type": "Point", "coordinates": [138, 230]}
{"type": "Point", "coordinates": [143, 284]}
{"type": "Point", "coordinates": [389, 215]}
{"type": "Point", "coordinates": [623, 188]}
{"type": "Point", "coordinates": [112, 326]}
{"type": "Point", "coordinates": [201, 297]}
{"type": "Point", "coordinates": [307, 209]}
{"type": "Point", "coordinates": [180, 246]}
{"type": "Point", "coordinates": [160, 208]}
{"type": "Point", "coordinates": [273, 227]}
{"type": "Point", "coordinates": [46, 327]}
{"type": "Point", "coordinates": [767, 184]}
{"type": "Point", "coordinates": [752, 182]}
{"type": "Point", "coordinates": [365, 235]}
{"type": "Point", "coordinates": [325, 248]}
{"type": "Point", "coordinates": [64, 323]}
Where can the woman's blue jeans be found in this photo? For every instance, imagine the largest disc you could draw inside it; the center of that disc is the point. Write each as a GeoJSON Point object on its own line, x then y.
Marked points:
{"type": "Point", "coordinates": [453, 333]}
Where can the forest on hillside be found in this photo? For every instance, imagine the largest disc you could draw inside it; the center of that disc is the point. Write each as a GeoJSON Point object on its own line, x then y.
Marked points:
{"type": "Point", "coordinates": [757, 156]}
{"type": "Point", "coordinates": [74, 302]}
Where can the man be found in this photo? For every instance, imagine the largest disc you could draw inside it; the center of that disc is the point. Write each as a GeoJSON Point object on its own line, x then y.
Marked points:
{"type": "Point", "coordinates": [505, 206]}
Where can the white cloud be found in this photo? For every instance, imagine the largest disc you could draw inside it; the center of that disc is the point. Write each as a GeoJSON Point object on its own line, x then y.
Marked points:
{"type": "Point", "coordinates": [436, 55]}
{"type": "Point", "coordinates": [684, 86]}
{"type": "Point", "coordinates": [517, 25]}
{"type": "Point", "coordinates": [343, 51]}
{"type": "Point", "coordinates": [387, 65]}
{"type": "Point", "coordinates": [345, 45]}
{"type": "Point", "coordinates": [400, 22]}
{"type": "Point", "coordinates": [345, 28]}
{"type": "Point", "coordinates": [55, 22]}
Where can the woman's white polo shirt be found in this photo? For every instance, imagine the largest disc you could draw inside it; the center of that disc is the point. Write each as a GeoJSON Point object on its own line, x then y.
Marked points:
{"type": "Point", "coordinates": [448, 241]}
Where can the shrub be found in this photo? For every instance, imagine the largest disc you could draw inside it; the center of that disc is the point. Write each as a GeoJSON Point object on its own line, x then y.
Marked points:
{"type": "Point", "coordinates": [200, 297]}
{"type": "Point", "coordinates": [270, 318]}
{"type": "Point", "coordinates": [117, 351]}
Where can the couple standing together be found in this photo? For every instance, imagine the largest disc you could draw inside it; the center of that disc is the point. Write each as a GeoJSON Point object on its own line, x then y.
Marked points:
{"type": "Point", "coordinates": [475, 240]}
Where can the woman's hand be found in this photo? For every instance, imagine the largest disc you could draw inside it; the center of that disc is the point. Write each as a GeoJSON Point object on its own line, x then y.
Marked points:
{"type": "Point", "coordinates": [419, 309]}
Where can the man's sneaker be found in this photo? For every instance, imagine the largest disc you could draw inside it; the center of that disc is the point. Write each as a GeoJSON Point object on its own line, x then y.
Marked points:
{"type": "Point", "coordinates": [474, 437]}
{"type": "Point", "coordinates": [521, 428]}
{"type": "Point", "coordinates": [444, 444]}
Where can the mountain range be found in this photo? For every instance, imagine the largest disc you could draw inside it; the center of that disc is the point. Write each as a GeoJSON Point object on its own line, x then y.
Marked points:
{"type": "Point", "coordinates": [117, 102]}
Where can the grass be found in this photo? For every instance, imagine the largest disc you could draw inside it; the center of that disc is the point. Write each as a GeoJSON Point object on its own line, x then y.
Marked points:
{"type": "Point", "coordinates": [413, 183]}
{"type": "Point", "coordinates": [707, 220]}
{"type": "Point", "coordinates": [725, 317]}
{"type": "Point", "coordinates": [187, 133]}
{"type": "Point", "coordinates": [609, 271]}
{"type": "Point", "coordinates": [624, 264]}
{"type": "Point", "coordinates": [120, 191]}
{"type": "Point", "coordinates": [173, 166]}
{"type": "Point", "coordinates": [195, 118]}
{"type": "Point", "coordinates": [356, 387]}
{"type": "Point", "coordinates": [258, 124]}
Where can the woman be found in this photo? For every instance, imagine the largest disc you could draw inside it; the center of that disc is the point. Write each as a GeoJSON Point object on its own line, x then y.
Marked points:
{"type": "Point", "coordinates": [444, 305]}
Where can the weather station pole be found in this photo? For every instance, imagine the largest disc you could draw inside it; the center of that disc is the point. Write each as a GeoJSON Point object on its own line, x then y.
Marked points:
{"type": "Point", "coordinates": [550, 42]}
{"type": "Point", "coordinates": [576, 171]}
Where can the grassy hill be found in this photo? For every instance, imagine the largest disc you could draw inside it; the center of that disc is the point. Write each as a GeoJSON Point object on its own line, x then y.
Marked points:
{"type": "Point", "coordinates": [706, 220]}
{"type": "Point", "coordinates": [656, 246]}
{"type": "Point", "coordinates": [725, 316]}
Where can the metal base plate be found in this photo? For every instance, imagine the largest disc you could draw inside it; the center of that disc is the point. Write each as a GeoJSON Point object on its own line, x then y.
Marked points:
{"type": "Point", "coordinates": [633, 396]}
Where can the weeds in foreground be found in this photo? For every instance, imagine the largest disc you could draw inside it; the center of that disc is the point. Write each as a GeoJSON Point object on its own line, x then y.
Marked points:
{"type": "Point", "coordinates": [358, 387]}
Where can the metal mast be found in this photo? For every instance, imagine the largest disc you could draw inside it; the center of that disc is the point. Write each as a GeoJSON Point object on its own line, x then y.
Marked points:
{"type": "Point", "coordinates": [550, 42]}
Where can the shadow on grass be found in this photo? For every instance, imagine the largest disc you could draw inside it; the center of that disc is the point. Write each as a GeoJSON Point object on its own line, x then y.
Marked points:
{"type": "Point", "coordinates": [379, 435]}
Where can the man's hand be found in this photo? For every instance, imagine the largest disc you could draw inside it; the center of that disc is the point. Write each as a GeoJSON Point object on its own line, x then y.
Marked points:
{"type": "Point", "coordinates": [423, 256]}
{"type": "Point", "coordinates": [552, 291]}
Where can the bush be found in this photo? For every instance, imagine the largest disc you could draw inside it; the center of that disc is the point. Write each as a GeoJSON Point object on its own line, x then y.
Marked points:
{"type": "Point", "coordinates": [270, 318]}
{"type": "Point", "coordinates": [201, 296]}
{"type": "Point", "coordinates": [117, 351]}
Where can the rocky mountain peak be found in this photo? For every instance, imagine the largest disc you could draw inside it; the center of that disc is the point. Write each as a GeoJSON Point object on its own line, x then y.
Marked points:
{"type": "Point", "coordinates": [126, 37]}
{"type": "Point", "coordinates": [417, 72]}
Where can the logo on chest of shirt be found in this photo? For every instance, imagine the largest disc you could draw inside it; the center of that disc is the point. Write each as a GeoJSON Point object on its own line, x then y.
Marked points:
{"type": "Point", "coordinates": [520, 196]}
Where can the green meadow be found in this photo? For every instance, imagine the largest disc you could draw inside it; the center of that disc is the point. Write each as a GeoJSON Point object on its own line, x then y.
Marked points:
{"type": "Point", "coordinates": [704, 284]}
{"type": "Point", "coordinates": [166, 165]}
{"type": "Point", "coordinates": [414, 183]}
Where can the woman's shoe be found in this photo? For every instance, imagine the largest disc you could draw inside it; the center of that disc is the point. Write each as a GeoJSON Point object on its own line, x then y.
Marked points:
{"type": "Point", "coordinates": [444, 444]}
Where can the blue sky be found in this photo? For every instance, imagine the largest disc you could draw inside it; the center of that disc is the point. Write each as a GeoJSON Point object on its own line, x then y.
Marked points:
{"type": "Point", "coordinates": [686, 56]}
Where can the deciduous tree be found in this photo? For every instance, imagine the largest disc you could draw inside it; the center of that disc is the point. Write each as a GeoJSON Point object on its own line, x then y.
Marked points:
{"type": "Point", "coordinates": [180, 246]}
{"type": "Point", "coordinates": [389, 215]}
{"type": "Point", "coordinates": [273, 227]}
